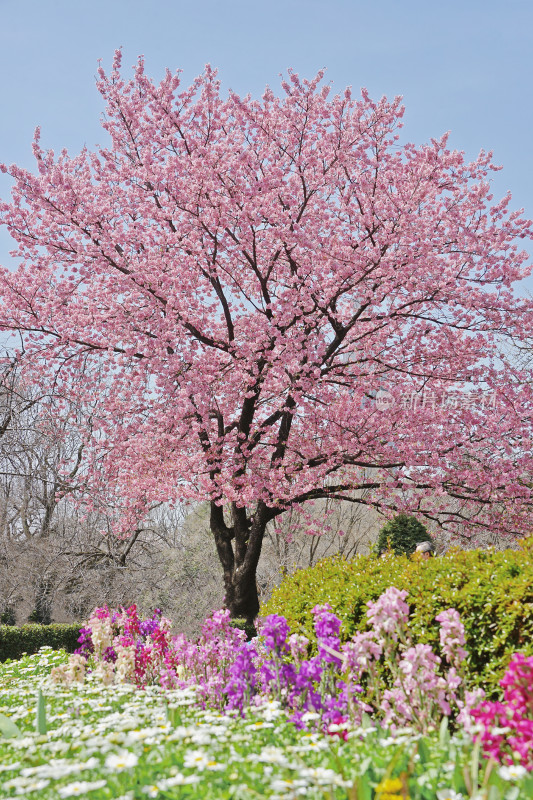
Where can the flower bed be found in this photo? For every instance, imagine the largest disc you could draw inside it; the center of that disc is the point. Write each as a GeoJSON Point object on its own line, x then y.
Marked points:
{"type": "Point", "coordinates": [139, 713]}
{"type": "Point", "coordinates": [379, 672]}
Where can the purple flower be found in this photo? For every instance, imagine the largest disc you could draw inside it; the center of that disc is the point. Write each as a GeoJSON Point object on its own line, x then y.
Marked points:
{"type": "Point", "coordinates": [86, 643]}
{"type": "Point", "coordinates": [360, 653]}
{"type": "Point", "coordinates": [297, 720]}
{"type": "Point", "coordinates": [327, 627]}
{"type": "Point", "coordinates": [148, 627]}
{"type": "Point", "coordinates": [274, 630]}
{"type": "Point", "coordinates": [310, 672]}
{"type": "Point", "coordinates": [109, 654]}
{"type": "Point", "coordinates": [242, 678]}
{"type": "Point", "coordinates": [305, 692]}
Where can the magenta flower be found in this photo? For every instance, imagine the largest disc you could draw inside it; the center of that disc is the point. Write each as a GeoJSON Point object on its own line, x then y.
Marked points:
{"type": "Point", "coordinates": [507, 728]}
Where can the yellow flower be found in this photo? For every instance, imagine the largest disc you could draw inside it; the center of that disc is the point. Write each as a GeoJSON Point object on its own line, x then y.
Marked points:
{"type": "Point", "coordinates": [389, 788]}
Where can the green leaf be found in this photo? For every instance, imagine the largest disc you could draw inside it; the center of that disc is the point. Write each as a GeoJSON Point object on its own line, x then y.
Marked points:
{"type": "Point", "coordinates": [364, 765]}
{"type": "Point", "coordinates": [494, 793]}
{"type": "Point", "coordinates": [444, 733]}
{"type": "Point", "coordinates": [474, 764]}
{"type": "Point", "coordinates": [458, 781]}
{"type": "Point", "coordinates": [40, 723]}
{"type": "Point", "coordinates": [363, 788]}
{"type": "Point", "coordinates": [366, 721]}
{"type": "Point", "coordinates": [423, 751]}
{"type": "Point", "coordinates": [527, 786]}
{"type": "Point", "coordinates": [8, 729]}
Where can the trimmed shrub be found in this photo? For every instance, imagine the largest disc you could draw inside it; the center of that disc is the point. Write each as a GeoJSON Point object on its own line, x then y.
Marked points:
{"type": "Point", "coordinates": [401, 534]}
{"type": "Point", "coordinates": [491, 590]}
{"type": "Point", "coordinates": [30, 638]}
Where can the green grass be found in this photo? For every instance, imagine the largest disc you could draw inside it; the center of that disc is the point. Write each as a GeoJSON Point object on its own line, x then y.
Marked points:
{"type": "Point", "coordinates": [119, 742]}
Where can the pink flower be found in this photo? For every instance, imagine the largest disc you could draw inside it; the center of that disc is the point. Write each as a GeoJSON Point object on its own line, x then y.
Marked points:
{"type": "Point", "coordinates": [507, 728]}
{"type": "Point", "coordinates": [452, 636]}
{"type": "Point", "coordinates": [389, 613]}
{"type": "Point", "coordinates": [360, 652]}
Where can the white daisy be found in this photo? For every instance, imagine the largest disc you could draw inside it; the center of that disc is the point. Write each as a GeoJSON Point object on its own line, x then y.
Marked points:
{"type": "Point", "coordinates": [28, 785]}
{"type": "Point", "coordinates": [515, 772]}
{"type": "Point", "coordinates": [78, 788]}
{"type": "Point", "coordinates": [178, 780]}
{"type": "Point", "coordinates": [121, 761]}
{"type": "Point", "coordinates": [196, 758]}
{"type": "Point", "coordinates": [8, 767]}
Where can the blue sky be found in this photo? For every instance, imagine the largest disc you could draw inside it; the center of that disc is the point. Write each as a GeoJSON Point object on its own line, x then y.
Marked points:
{"type": "Point", "coordinates": [460, 66]}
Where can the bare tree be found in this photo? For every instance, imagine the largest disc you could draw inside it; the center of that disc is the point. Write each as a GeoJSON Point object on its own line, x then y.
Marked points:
{"type": "Point", "coordinates": [305, 536]}
{"type": "Point", "coordinates": [58, 560]}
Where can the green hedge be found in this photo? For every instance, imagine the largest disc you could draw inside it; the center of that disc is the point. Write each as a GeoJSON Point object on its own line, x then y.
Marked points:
{"type": "Point", "coordinates": [30, 638]}
{"type": "Point", "coordinates": [492, 590]}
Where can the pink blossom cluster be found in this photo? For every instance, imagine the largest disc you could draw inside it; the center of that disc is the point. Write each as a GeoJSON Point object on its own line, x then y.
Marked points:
{"type": "Point", "coordinates": [507, 727]}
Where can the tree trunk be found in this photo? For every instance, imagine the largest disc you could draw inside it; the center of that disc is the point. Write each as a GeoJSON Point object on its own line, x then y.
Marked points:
{"type": "Point", "coordinates": [239, 548]}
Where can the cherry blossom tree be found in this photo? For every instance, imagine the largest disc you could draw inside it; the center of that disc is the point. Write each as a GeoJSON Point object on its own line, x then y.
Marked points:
{"type": "Point", "coordinates": [286, 303]}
